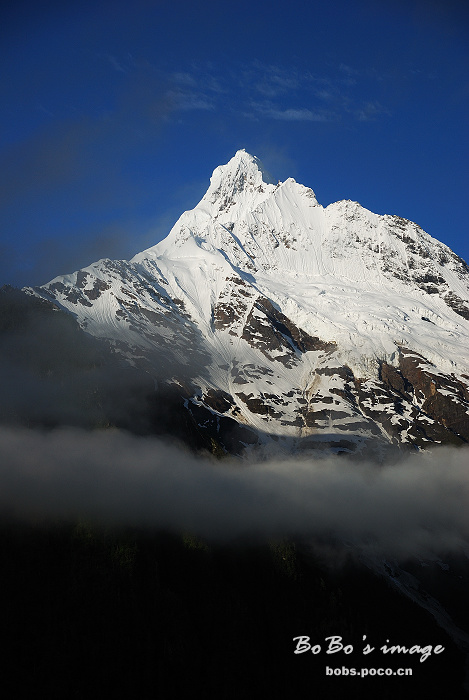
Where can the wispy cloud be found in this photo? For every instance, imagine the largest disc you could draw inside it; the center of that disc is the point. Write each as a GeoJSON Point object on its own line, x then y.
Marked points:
{"type": "Point", "coordinates": [200, 79]}
{"type": "Point", "coordinates": [291, 114]}
{"type": "Point", "coordinates": [117, 65]}
{"type": "Point", "coordinates": [186, 101]}
{"type": "Point", "coordinates": [339, 94]}
{"type": "Point", "coordinates": [184, 78]}
{"type": "Point", "coordinates": [273, 81]}
{"type": "Point", "coordinates": [268, 91]}
{"type": "Point", "coordinates": [370, 111]}
{"type": "Point", "coordinates": [348, 70]}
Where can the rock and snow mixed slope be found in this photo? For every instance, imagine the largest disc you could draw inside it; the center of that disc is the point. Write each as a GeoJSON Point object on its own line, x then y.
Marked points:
{"type": "Point", "coordinates": [281, 320]}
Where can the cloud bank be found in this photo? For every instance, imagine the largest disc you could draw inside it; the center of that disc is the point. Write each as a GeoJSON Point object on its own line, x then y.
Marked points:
{"type": "Point", "coordinates": [416, 507]}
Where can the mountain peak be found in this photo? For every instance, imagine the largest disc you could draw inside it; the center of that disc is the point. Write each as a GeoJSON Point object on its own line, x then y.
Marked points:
{"type": "Point", "coordinates": [243, 174]}
{"type": "Point", "coordinates": [250, 165]}
{"type": "Point", "coordinates": [304, 323]}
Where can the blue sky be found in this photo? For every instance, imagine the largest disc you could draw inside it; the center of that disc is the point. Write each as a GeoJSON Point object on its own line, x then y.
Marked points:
{"type": "Point", "coordinates": [113, 115]}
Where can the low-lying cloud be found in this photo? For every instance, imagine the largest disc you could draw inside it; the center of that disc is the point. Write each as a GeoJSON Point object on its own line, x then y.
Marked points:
{"type": "Point", "coordinates": [415, 507]}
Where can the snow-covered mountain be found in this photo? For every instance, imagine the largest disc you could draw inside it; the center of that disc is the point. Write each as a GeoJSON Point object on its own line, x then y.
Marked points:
{"type": "Point", "coordinates": [283, 322]}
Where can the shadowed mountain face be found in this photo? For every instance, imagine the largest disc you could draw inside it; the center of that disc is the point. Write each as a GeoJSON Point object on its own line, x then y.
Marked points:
{"type": "Point", "coordinates": [277, 323]}
{"type": "Point", "coordinates": [54, 374]}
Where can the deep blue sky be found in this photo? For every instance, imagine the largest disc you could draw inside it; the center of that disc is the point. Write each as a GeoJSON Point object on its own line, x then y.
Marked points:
{"type": "Point", "coordinates": [114, 114]}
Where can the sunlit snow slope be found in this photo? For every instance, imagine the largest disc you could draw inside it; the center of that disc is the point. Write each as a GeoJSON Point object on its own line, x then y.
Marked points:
{"type": "Point", "coordinates": [318, 328]}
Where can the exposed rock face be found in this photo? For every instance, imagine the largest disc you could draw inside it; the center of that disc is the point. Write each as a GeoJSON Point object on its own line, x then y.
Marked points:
{"type": "Point", "coordinates": [429, 405]}
{"type": "Point", "coordinates": [308, 327]}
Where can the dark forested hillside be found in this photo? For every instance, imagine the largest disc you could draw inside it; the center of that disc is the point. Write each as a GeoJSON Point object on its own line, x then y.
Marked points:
{"type": "Point", "coordinates": [106, 614]}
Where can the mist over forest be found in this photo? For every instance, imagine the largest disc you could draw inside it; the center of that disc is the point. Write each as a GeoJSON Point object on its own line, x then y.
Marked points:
{"type": "Point", "coordinates": [415, 507]}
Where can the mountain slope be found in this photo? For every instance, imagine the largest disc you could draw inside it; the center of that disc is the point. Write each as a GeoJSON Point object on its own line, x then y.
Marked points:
{"type": "Point", "coordinates": [315, 328]}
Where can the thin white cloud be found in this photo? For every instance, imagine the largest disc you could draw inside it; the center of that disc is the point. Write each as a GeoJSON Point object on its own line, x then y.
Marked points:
{"type": "Point", "coordinates": [183, 78]}
{"type": "Point", "coordinates": [267, 91]}
{"type": "Point", "coordinates": [301, 114]}
{"type": "Point", "coordinates": [273, 81]}
{"type": "Point", "coordinates": [369, 111]}
{"type": "Point", "coordinates": [117, 65]}
{"type": "Point", "coordinates": [193, 101]}
{"type": "Point", "coordinates": [348, 70]}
